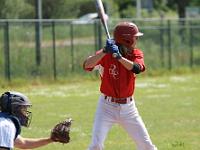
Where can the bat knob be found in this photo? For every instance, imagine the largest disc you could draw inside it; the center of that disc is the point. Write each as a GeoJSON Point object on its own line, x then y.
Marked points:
{"type": "Point", "coordinates": [114, 55]}
{"type": "Point", "coordinates": [117, 56]}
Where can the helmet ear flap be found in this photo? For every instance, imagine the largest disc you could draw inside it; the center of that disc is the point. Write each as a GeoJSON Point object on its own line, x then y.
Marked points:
{"type": "Point", "coordinates": [128, 41]}
{"type": "Point", "coordinates": [6, 102]}
{"type": "Point", "coordinates": [9, 108]}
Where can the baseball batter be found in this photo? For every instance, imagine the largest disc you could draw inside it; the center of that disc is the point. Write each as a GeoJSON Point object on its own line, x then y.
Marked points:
{"type": "Point", "coordinates": [118, 63]}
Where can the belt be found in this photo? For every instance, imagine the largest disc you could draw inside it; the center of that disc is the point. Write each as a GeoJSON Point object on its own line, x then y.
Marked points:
{"type": "Point", "coordinates": [118, 100]}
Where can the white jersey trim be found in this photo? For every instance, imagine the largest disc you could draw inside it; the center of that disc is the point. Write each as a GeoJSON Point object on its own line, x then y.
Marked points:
{"type": "Point", "coordinates": [100, 68]}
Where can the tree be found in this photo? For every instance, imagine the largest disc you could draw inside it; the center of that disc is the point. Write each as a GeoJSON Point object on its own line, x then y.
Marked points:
{"type": "Point", "coordinates": [10, 9]}
{"type": "Point", "coordinates": [124, 7]}
{"type": "Point", "coordinates": [181, 4]}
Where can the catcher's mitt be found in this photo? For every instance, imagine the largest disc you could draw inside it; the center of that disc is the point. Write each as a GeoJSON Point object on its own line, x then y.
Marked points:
{"type": "Point", "coordinates": [60, 133]}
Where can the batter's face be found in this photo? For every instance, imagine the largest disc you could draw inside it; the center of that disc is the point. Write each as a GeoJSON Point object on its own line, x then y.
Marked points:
{"type": "Point", "coordinates": [135, 38]}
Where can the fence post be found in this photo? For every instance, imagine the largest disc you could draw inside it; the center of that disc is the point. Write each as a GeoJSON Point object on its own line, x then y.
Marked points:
{"type": "Point", "coordinates": [96, 35]}
{"type": "Point", "coordinates": [54, 50]}
{"type": "Point", "coordinates": [162, 42]}
{"type": "Point", "coordinates": [169, 45]}
{"type": "Point", "coordinates": [99, 34]}
{"type": "Point", "coordinates": [7, 51]}
{"type": "Point", "coordinates": [191, 45]}
{"type": "Point", "coordinates": [38, 42]}
{"type": "Point", "coordinates": [72, 45]}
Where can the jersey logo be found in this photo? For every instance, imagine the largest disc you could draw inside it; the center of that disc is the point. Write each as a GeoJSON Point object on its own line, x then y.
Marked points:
{"type": "Point", "coordinates": [113, 71]}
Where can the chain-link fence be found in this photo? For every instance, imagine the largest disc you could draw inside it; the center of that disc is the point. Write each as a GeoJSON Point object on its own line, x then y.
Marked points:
{"type": "Point", "coordinates": [57, 48]}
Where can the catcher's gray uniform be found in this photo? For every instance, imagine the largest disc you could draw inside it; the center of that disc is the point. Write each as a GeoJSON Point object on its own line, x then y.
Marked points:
{"type": "Point", "coordinates": [7, 133]}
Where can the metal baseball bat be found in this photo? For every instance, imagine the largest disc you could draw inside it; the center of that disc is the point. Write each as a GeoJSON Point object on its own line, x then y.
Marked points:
{"type": "Point", "coordinates": [102, 16]}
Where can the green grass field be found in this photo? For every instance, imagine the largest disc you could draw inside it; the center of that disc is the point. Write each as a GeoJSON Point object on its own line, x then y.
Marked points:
{"type": "Point", "coordinates": [169, 106]}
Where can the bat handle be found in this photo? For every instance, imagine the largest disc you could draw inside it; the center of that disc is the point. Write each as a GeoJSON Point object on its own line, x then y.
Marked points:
{"type": "Point", "coordinates": [108, 35]}
{"type": "Point", "coordinates": [107, 32]}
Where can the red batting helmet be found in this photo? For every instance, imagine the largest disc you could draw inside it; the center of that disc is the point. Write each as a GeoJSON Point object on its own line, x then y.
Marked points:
{"type": "Point", "coordinates": [124, 33]}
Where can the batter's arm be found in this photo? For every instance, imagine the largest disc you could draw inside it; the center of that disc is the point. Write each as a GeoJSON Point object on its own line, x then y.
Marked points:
{"type": "Point", "coordinates": [132, 66]}
{"type": "Point", "coordinates": [91, 61]}
{"type": "Point", "coordinates": [126, 63]}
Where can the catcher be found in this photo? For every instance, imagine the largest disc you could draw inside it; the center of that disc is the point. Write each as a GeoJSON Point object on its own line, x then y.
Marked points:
{"type": "Point", "coordinates": [14, 113]}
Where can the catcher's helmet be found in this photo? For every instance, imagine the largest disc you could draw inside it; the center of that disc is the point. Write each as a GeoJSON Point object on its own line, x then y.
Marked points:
{"type": "Point", "coordinates": [16, 104]}
{"type": "Point", "coordinates": [124, 33]}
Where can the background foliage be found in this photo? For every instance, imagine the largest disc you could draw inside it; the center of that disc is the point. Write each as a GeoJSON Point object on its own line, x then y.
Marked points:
{"type": "Point", "coordinates": [10, 9]}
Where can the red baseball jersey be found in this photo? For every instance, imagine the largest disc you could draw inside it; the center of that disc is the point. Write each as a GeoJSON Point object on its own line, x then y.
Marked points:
{"type": "Point", "coordinates": [116, 80]}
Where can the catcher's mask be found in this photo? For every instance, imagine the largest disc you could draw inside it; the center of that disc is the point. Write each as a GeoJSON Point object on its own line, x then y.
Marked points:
{"type": "Point", "coordinates": [16, 104]}
{"type": "Point", "coordinates": [125, 33]}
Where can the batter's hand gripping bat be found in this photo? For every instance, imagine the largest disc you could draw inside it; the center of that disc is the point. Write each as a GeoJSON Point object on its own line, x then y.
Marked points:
{"type": "Point", "coordinates": [102, 16]}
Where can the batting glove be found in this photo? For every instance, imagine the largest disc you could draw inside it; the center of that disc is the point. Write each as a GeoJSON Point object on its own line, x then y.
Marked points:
{"type": "Point", "coordinates": [111, 47]}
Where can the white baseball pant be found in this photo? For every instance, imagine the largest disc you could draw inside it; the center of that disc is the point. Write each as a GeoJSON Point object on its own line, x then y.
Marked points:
{"type": "Point", "coordinates": [126, 115]}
